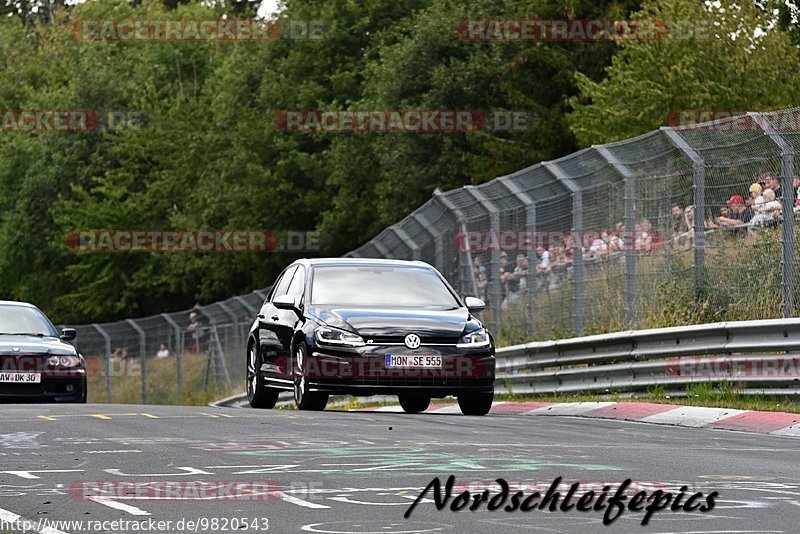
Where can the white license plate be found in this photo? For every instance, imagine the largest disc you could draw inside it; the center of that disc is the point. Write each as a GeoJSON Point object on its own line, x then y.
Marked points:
{"type": "Point", "coordinates": [418, 362]}
{"type": "Point", "coordinates": [21, 378]}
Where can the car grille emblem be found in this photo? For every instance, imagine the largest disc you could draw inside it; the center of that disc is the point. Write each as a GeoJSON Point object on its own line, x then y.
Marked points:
{"type": "Point", "coordinates": [16, 349]}
{"type": "Point", "coordinates": [412, 341]}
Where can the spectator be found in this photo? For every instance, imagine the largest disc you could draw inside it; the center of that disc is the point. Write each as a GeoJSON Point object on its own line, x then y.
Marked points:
{"type": "Point", "coordinates": [543, 268]}
{"type": "Point", "coordinates": [678, 220]}
{"type": "Point", "coordinates": [504, 272]}
{"type": "Point", "coordinates": [477, 265]}
{"type": "Point", "coordinates": [768, 211]}
{"type": "Point", "coordinates": [739, 213]}
{"type": "Point", "coordinates": [773, 183]}
{"type": "Point", "coordinates": [163, 351]}
{"type": "Point", "coordinates": [615, 241]}
{"type": "Point", "coordinates": [756, 198]}
{"type": "Point", "coordinates": [515, 281]}
{"type": "Point", "coordinates": [644, 241]}
{"type": "Point", "coordinates": [195, 329]}
{"type": "Point", "coordinates": [684, 240]}
{"type": "Point", "coordinates": [482, 283]}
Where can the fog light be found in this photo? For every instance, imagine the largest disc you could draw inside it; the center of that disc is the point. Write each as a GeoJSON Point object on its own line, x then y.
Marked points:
{"type": "Point", "coordinates": [70, 388]}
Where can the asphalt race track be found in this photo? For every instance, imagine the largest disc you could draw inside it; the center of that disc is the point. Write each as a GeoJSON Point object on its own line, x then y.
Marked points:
{"type": "Point", "coordinates": [358, 472]}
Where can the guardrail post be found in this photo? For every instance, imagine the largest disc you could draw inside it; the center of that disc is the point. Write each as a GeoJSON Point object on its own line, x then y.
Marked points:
{"type": "Point", "coordinates": [107, 340]}
{"type": "Point", "coordinates": [577, 227]}
{"type": "Point", "coordinates": [495, 285]}
{"type": "Point", "coordinates": [178, 349]}
{"type": "Point", "coordinates": [629, 179]}
{"type": "Point", "coordinates": [530, 224]}
{"type": "Point", "coordinates": [787, 208]}
{"type": "Point", "coordinates": [142, 356]}
{"type": "Point", "coordinates": [699, 190]}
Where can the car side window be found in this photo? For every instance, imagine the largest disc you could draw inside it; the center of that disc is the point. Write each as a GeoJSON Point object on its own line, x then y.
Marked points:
{"type": "Point", "coordinates": [283, 283]}
{"type": "Point", "coordinates": [298, 285]}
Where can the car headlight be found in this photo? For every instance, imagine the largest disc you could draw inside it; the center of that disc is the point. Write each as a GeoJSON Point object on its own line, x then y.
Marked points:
{"type": "Point", "coordinates": [64, 361]}
{"type": "Point", "coordinates": [475, 339]}
{"type": "Point", "coordinates": [334, 336]}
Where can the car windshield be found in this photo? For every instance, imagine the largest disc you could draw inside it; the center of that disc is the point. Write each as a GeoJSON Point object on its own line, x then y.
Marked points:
{"type": "Point", "coordinates": [24, 320]}
{"type": "Point", "coordinates": [380, 286]}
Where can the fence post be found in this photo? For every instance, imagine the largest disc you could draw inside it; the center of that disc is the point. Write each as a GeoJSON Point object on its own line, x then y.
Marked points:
{"type": "Point", "coordinates": [530, 224]}
{"type": "Point", "coordinates": [107, 340]}
{"type": "Point", "coordinates": [495, 286]}
{"type": "Point", "coordinates": [699, 189]}
{"type": "Point", "coordinates": [437, 242]}
{"type": "Point", "coordinates": [142, 356]}
{"type": "Point", "coordinates": [178, 353]}
{"type": "Point", "coordinates": [629, 180]}
{"type": "Point", "coordinates": [403, 236]}
{"type": "Point", "coordinates": [787, 208]}
{"type": "Point", "coordinates": [577, 227]}
{"type": "Point", "coordinates": [382, 250]}
{"type": "Point", "coordinates": [447, 203]}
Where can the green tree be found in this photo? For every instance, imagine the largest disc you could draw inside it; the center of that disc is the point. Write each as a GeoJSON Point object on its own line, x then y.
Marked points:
{"type": "Point", "coordinates": [737, 65]}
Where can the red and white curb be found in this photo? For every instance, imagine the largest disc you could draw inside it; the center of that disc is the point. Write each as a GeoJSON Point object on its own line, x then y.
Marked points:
{"type": "Point", "coordinates": [776, 423]}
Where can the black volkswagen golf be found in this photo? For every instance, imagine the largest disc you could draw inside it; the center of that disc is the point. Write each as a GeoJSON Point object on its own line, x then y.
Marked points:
{"type": "Point", "coordinates": [366, 327]}
{"type": "Point", "coordinates": [36, 362]}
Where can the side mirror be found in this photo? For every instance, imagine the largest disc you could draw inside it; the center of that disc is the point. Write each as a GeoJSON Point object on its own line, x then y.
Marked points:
{"type": "Point", "coordinates": [68, 334]}
{"type": "Point", "coordinates": [474, 305]}
{"type": "Point", "coordinates": [287, 302]}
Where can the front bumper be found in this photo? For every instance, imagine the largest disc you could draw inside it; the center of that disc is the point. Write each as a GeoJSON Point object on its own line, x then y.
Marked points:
{"type": "Point", "coordinates": [68, 386]}
{"type": "Point", "coordinates": [363, 371]}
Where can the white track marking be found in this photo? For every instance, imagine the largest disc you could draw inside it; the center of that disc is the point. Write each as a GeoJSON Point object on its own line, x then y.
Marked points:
{"type": "Point", "coordinates": [111, 503]}
{"type": "Point", "coordinates": [12, 518]}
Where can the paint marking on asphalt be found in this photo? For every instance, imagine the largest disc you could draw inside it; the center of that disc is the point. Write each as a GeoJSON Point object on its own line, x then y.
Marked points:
{"type": "Point", "coordinates": [188, 472]}
{"type": "Point", "coordinates": [111, 503]}
{"type": "Point", "coordinates": [47, 418]}
{"type": "Point", "coordinates": [149, 415]}
{"type": "Point", "coordinates": [10, 518]}
{"type": "Point", "coordinates": [211, 415]}
{"type": "Point", "coordinates": [300, 502]}
{"type": "Point", "coordinates": [100, 416]}
{"type": "Point", "coordinates": [30, 476]}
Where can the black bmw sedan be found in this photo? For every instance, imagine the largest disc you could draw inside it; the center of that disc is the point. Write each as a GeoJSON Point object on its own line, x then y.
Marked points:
{"type": "Point", "coordinates": [36, 362]}
{"type": "Point", "coordinates": [366, 327]}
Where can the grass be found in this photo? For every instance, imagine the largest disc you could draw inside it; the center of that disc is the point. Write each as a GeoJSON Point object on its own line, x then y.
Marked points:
{"type": "Point", "coordinates": [162, 379]}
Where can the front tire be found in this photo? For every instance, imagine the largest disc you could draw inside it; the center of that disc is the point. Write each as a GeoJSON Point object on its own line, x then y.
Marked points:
{"type": "Point", "coordinates": [414, 403]}
{"type": "Point", "coordinates": [303, 398]}
{"type": "Point", "coordinates": [258, 395]}
{"type": "Point", "coordinates": [475, 403]}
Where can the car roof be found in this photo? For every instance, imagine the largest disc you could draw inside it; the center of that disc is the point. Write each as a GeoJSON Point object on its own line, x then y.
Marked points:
{"type": "Point", "coordinates": [362, 261]}
{"type": "Point", "coordinates": [16, 303]}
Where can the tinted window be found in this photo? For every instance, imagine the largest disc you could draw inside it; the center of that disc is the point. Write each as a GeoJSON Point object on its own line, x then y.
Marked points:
{"type": "Point", "coordinates": [283, 283]}
{"type": "Point", "coordinates": [381, 286]}
{"type": "Point", "coordinates": [23, 320]}
{"type": "Point", "coordinates": [298, 284]}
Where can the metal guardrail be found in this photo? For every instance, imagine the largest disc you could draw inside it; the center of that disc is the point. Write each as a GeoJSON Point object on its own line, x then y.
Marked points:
{"type": "Point", "coordinates": [755, 356]}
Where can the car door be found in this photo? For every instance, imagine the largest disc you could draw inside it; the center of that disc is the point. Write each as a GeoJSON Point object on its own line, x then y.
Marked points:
{"type": "Point", "coordinates": [271, 329]}
{"type": "Point", "coordinates": [290, 320]}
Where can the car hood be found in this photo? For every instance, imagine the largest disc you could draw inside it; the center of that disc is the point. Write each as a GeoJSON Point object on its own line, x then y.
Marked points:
{"type": "Point", "coordinates": [395, 321]}
{"type": "Point", "coordinates": [33, 345]}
